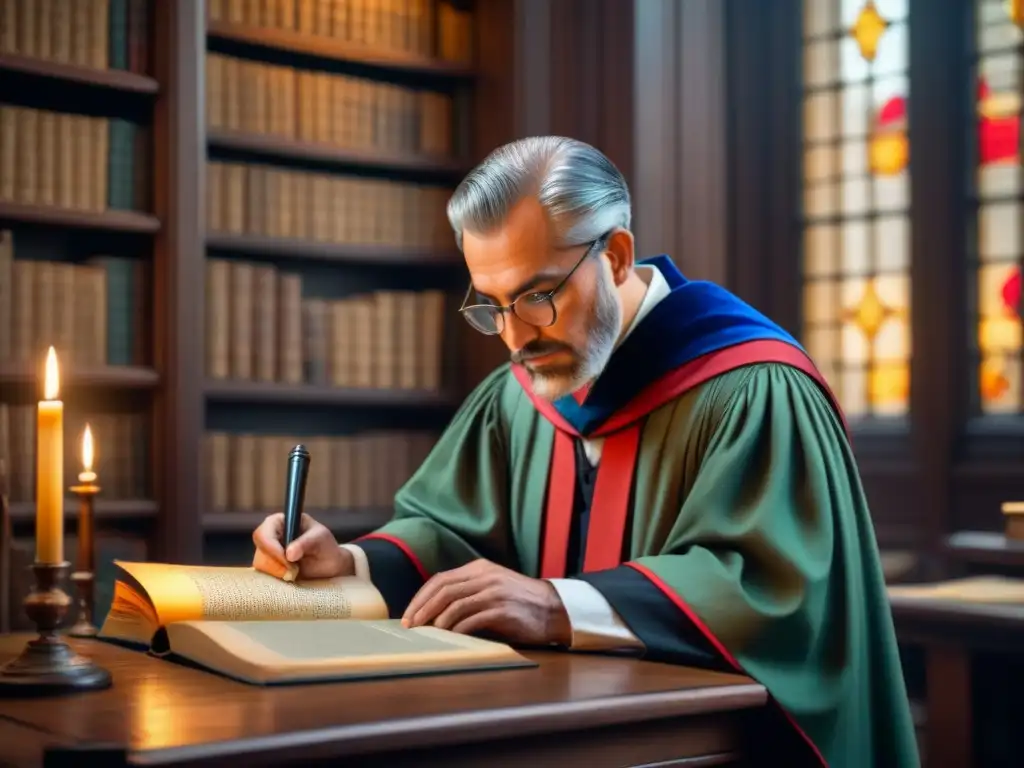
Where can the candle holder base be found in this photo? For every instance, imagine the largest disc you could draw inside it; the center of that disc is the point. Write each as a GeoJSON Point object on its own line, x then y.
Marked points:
{"type": "Point", "coordinates": [48, 665]}
{"type": "Point", "coordinates": [83, 626]}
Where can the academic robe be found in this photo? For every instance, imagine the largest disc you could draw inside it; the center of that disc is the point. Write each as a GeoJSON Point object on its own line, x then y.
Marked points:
{"type": "Point", "coordinates": [727, 525]}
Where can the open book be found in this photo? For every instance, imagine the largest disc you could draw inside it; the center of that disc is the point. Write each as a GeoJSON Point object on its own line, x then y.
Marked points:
{"type": "Point", "coordinates": [258, 629]}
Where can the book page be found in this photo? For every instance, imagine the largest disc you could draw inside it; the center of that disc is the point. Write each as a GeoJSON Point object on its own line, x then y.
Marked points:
{"type": "Point", "coordinates": [334, 639]}
{"type": "Point", "coordinates": [268, 650]}
{"type": "Point", "coordinates": [975, 589]}
{"type": "Point", "coordinates": [190, 593]}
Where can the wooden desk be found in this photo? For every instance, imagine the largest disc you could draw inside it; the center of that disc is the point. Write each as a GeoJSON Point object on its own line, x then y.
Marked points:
{"type": "Point", "coordinates": [950, 634]}
{"type": "Point", "coordinates": [597, 711]}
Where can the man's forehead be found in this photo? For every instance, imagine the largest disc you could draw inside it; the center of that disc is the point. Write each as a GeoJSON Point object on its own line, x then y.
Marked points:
{"type": "Point", "coordinates": [503, 261]}
{"type": "Point", "coordinates": [525, 226]}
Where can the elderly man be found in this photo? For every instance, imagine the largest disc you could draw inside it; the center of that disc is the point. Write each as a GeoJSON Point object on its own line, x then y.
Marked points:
{"type": "Point", "coordinates": [660, 470]}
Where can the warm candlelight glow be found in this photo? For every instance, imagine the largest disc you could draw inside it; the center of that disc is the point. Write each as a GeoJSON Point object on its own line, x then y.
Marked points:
{"type": "Point", "coordinates": [87, 449]}
{"type": "Point", "coordinates": [51, 382]}
{"type": "Point", "coordinates": [88, 456]}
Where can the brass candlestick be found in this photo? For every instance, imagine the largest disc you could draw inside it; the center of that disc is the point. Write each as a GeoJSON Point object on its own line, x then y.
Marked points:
{"type": "Point", "coordinates": [85, 575]}
{"type": "Point", "coordinates": [48, 664]}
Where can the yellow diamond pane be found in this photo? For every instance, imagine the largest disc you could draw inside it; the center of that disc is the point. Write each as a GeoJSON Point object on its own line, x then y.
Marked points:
{"type": "Point", "coordinates": [869, 312]}
{"type": "Point", "coordinates": [856, 198]}
{"type": "Point", "coordinates": [868, 29]}
{"type": "Point", "coordinates": [999, 335]}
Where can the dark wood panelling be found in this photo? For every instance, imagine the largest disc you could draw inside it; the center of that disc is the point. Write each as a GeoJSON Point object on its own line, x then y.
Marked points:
{"type": "Point", "coordinates": [179, 159]}
{"type": "Point", "coordinates": [938, 85]}
{"type": "Point", "coordinates": [655, 206]}
{"type": "Point", "coordinates": [680, 134]}
{"type": "Point", "coordinates": [763, 111]}
{"type": "Point", "coordinates": [701, 175]}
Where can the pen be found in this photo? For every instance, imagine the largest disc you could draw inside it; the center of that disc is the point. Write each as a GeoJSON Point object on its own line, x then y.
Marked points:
{"type": "Point", "coordinates": [295, 492]}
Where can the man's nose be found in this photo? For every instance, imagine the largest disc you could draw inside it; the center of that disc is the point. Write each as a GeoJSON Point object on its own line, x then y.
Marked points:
{"type": "Point", "coordinates": [516, 333]}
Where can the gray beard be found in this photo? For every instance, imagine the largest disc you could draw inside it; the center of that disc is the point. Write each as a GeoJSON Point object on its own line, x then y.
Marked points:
{"type": "Point", "coordinates": [604, 332]}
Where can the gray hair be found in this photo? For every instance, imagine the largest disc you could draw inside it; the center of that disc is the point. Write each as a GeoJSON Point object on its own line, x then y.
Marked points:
{"type": "Point", "coordinates": [581, 190]}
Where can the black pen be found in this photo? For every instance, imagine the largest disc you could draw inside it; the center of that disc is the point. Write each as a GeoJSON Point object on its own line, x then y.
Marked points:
{"type": "Point", "coordinates": [295, 492]}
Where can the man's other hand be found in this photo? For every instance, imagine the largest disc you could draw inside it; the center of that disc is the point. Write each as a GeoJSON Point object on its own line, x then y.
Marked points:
{"type": "Point", "coordinates": [313, 555]}
{"type": "Point", "coordinates": [485, 597]}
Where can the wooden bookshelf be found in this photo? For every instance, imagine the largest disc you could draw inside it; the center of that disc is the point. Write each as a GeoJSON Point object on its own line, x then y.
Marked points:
{"type": "Point", "coordinates": [106, 221]}
{"type": "Point", "coordinates": [345, 523]}
{"type": "Point", "coordinates": [111, 376]}
{"type": "Point", "coordinates": [106, 510]}
{"type": "Point", "coordinates": [276, 147]}
{"type": "Point", "coordinates": [364, 156]}
{"type": "Point", "coordinates": [307, 394]}
{"type": "Point", "coordinates": [259, 40]}
{"type": "Point", "coordinates": [169, 232]}
{"type": "Point", "coordinates": [287, 248]}
{"type": "Point", "coordinates": [46, 72]}
{"type": "Point", "coordinates": [75, 217]}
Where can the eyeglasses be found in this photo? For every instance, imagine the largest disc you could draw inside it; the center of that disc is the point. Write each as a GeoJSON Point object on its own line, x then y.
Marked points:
{"type": "Point", "coordinates": [536, 309]}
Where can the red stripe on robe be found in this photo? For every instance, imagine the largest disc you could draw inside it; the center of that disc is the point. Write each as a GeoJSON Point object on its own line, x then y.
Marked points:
{"type": "Point", "coordinates": [610, 506]}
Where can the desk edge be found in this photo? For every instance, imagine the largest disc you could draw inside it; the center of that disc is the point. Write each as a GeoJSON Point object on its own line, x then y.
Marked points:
{"type": "Point", "coordinates": [467, 727]}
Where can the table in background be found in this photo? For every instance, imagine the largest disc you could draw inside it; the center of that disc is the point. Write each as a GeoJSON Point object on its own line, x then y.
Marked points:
{"type": "Point", "coordinates": [951, 635]}
{"type": "Point", "coordinates": [573, 709]}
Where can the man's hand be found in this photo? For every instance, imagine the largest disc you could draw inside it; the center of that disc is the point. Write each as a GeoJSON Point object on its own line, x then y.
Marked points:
{"type": "Point", "coordinates": [315, 553]}
{"type": "Point", "coordinates": [485, 597]}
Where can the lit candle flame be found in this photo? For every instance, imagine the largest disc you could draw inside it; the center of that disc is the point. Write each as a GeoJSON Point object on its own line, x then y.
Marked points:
{"type": "Point", "coordinates": [87, 449]}
{"type": "Point", "coordinates": [51, 383]}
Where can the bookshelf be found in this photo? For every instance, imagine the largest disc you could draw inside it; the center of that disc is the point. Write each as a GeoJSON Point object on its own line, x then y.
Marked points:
{"type": "Point", "coordinates": [42, 72]}
{"type": "Point", "coordinates": [178, 158]}
{"type": "Point", "coordinates": [78, 229]}
{"type": "Point", "coordinates": [333, 138]}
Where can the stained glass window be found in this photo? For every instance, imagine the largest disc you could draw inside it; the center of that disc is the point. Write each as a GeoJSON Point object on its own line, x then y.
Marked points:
{"type": "Point", "coordinates": [1000, 191]}
{"type": "Point", "coordinates": [856, 189]}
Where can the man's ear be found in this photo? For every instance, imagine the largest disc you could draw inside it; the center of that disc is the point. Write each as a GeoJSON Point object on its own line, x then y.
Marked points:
{"type": "Point", "coordinates": [620, 255]}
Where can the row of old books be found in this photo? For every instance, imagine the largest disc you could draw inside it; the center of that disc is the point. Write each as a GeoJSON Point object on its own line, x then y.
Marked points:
{"type": "Point", "coordinates": [101, 34]}
{"type": "Point", "coordinates": [92, 313]}
{"type": "Point", "coordinates": [260, 327]}
{"type": "Point", "coordinates": [70, 160]}
{"type": "Point", "coordinates": [246, 472]}
{"type": "Point", "coordinates": [421, 27]}
{"type": "Point", "coordinates": [326, 108]}
{"type": "Point", "coordinates": [121, 459]}
{"type": "Point", "coordinates": [281, 202]}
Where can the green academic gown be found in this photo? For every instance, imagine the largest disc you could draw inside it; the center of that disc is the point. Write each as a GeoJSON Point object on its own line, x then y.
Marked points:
{"type": "Point", "coordinates": [748, 546]}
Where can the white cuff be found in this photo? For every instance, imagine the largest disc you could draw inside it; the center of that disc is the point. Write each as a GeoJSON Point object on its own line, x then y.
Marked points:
{"type": "Point", "coordinates": [595, 624]}
{"type": "Point", "coordinates": [362, 562]}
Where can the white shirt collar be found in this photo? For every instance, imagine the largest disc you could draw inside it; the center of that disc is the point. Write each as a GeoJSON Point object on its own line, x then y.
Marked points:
{"type": "Point", "coordinates": [657, 289]}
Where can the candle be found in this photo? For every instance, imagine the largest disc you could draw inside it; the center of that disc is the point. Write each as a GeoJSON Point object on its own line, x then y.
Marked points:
{"type": "Point", "coordinates": [87, 476]}
{"type": "Point", "coordinates": [50, 468]}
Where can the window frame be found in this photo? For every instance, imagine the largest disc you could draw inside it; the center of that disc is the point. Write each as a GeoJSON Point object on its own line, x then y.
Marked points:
{"type": "Point", "coordinates": [945, 467]}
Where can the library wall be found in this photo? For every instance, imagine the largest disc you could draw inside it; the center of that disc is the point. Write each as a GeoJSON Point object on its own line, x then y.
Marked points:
{"type": "Point", "coordinates": [331, 273]}
{"type": "Point", "coordinates": [319, 275]}
{"type": "Point", "coordinates": [75, 196]}
{"type": "Point", "coordinates": [228, 219]}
